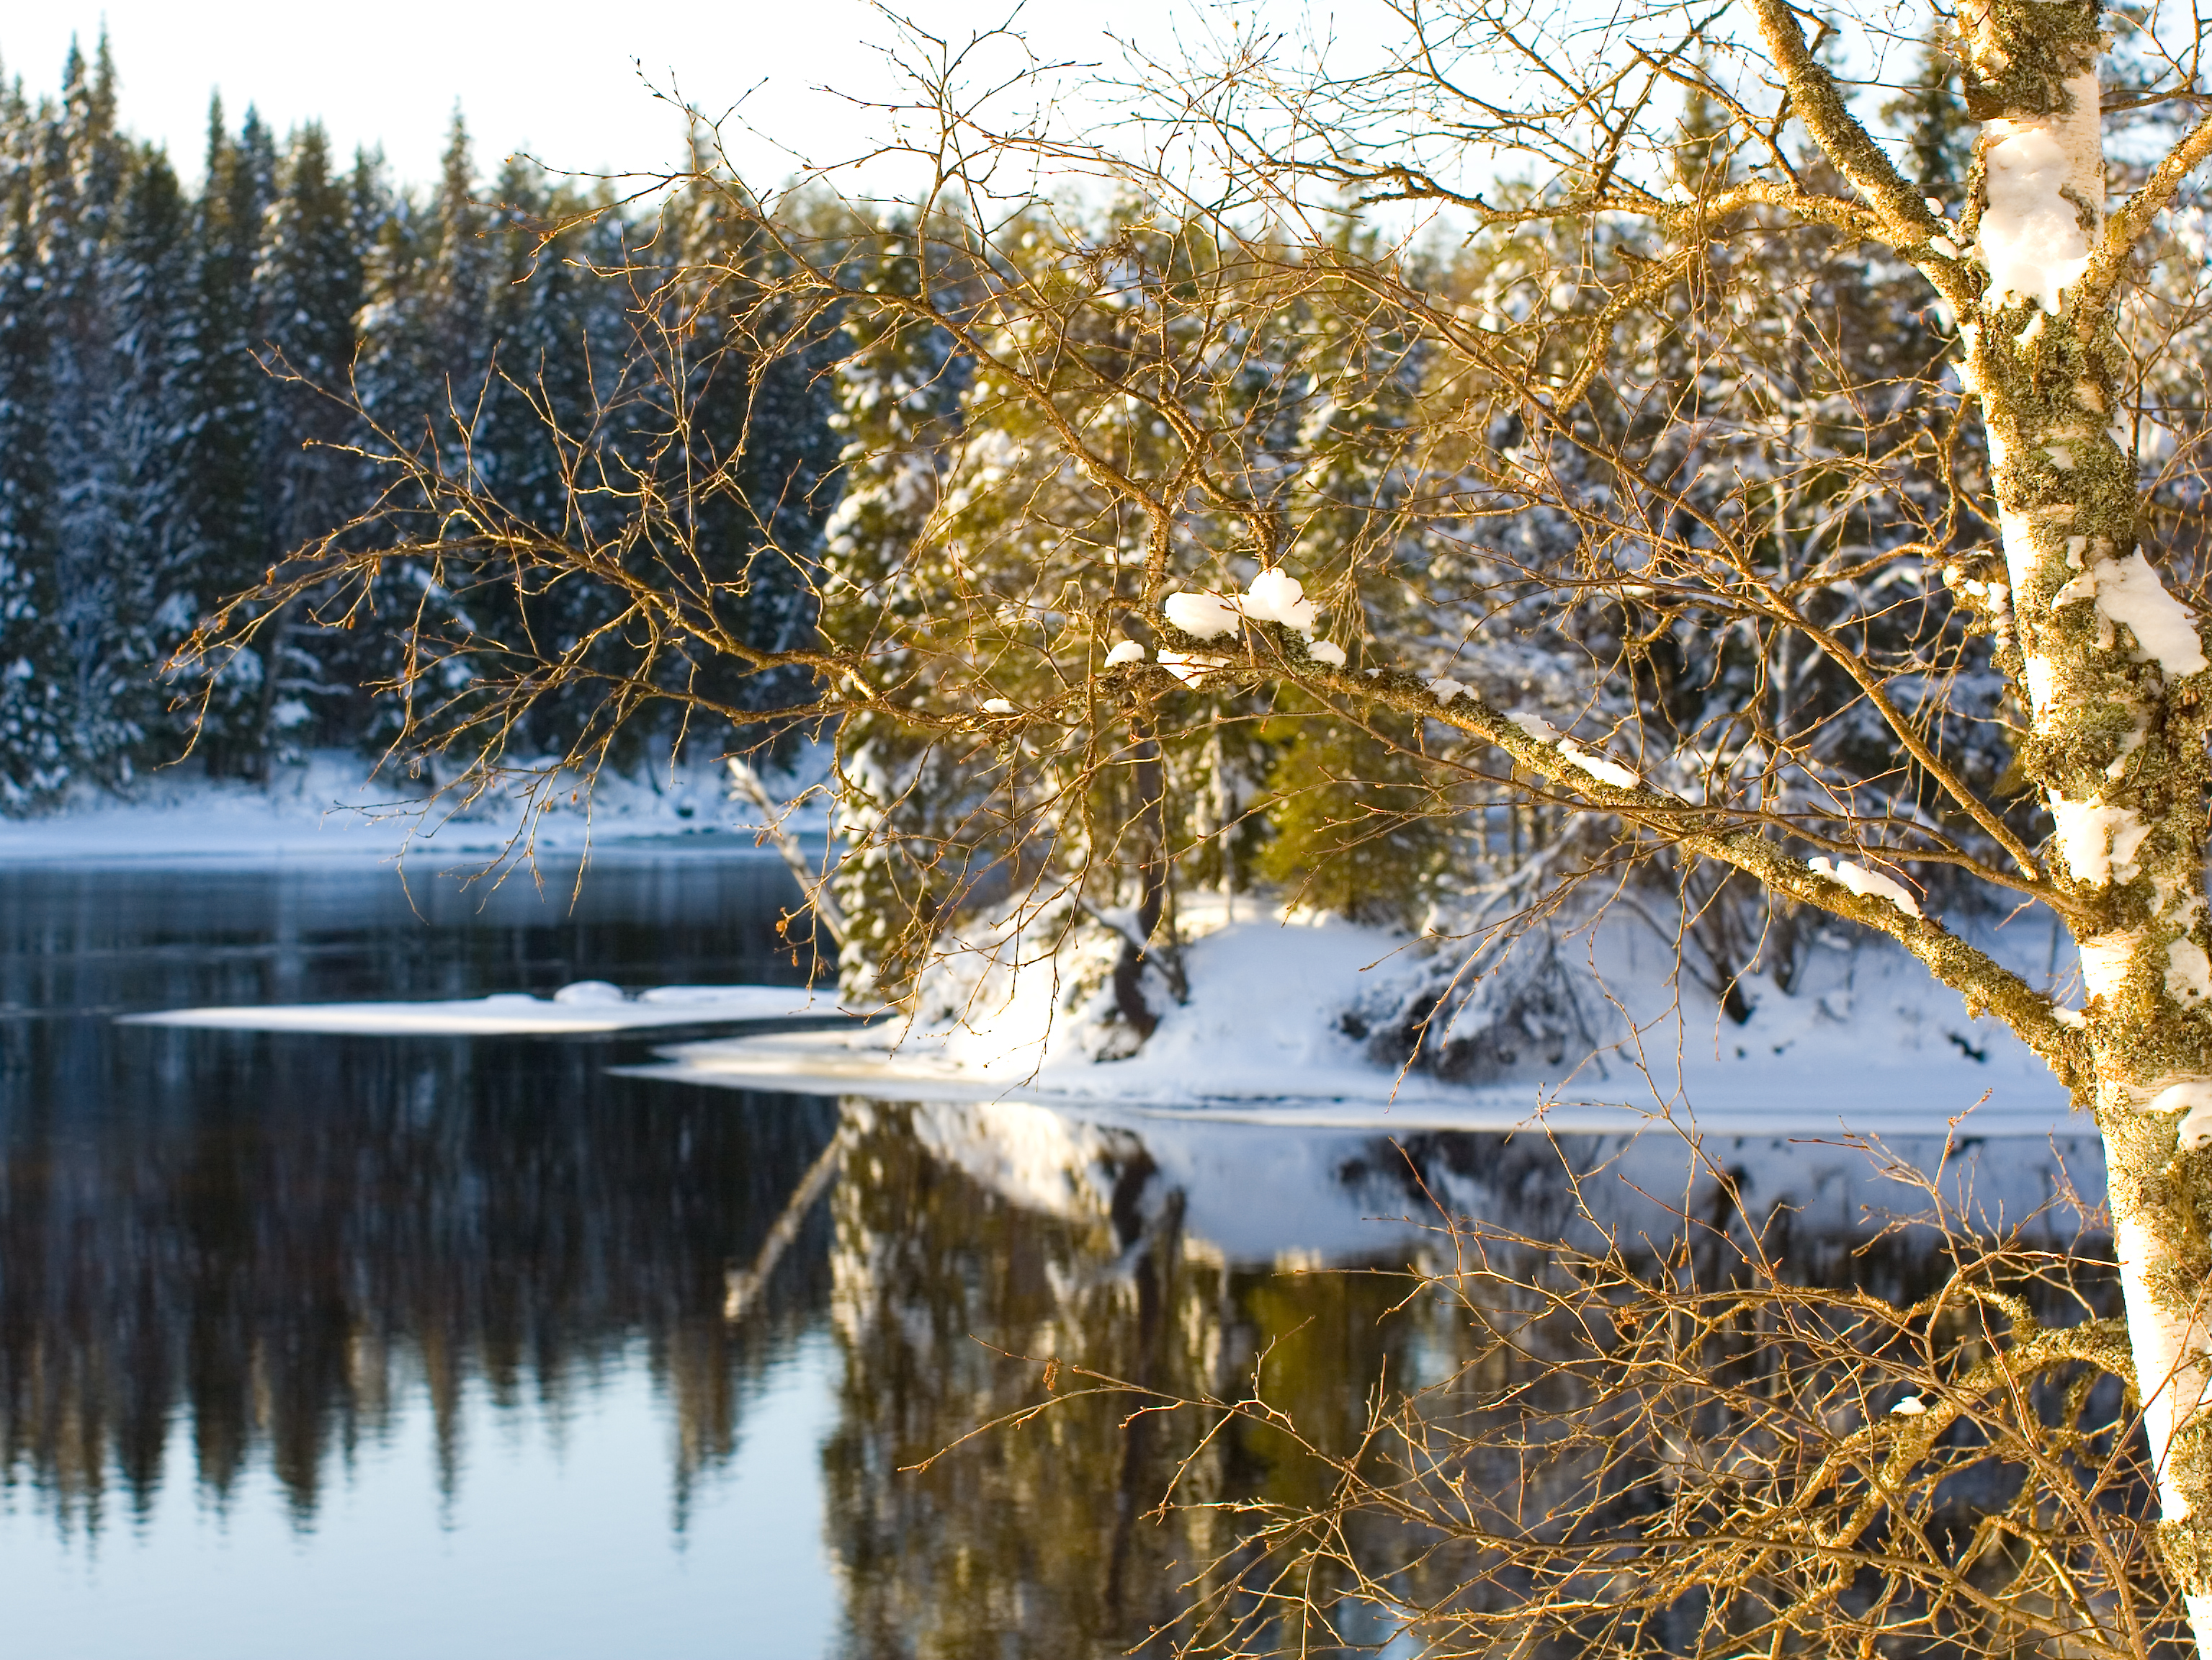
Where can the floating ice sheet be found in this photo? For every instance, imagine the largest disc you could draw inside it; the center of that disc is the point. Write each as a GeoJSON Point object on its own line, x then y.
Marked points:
{"type": "Point", "coordinates": [590, 1006]}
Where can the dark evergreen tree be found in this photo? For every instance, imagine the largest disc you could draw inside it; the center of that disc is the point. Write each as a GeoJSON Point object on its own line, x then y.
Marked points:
{"type": "Point", "coordinates": [227, 424]}
{"type": "Point", "coordinates": [758, 400]}
{"type": "Point", "coordinates": [1939, 134]}
{"type": "Point", "coordinates": [150, 282]}
{"type": "Point", "coordinates": [308, 293]}
{"type": "Point", "coordinates": [32, 721]}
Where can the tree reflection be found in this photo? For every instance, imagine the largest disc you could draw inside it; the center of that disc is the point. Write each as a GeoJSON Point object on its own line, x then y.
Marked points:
{"type": "Point", "coordinates": [277, 1246]}
{"type": "Point", "coordinates": [979, 1250]}
{"type": "Point", "coordinates": [1042, 1539]}
{"type": "Point", "coordinates": [283, 1240]}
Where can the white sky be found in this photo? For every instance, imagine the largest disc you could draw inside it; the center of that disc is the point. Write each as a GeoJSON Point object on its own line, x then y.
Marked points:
{"type": "Point", "coordinates": [556, 78]}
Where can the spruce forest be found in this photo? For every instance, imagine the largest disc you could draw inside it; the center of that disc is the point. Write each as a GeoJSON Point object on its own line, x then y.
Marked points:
{"type": "Point", "coordinates": [176, 366]}
{"type": "Point", "coordinates": [513, 418]}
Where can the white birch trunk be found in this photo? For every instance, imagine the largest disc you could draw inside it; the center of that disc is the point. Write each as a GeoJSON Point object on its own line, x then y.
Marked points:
{"type": "Point", "coordinates": [2117, 738]}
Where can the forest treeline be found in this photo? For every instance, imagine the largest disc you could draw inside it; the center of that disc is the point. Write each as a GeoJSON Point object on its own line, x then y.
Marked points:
{"type": "Point", "coordinates": [580, 475]}
{"type": "Point", "coordinates": [180, 370]}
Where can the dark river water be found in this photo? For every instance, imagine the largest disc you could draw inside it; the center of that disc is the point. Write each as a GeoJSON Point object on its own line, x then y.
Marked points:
{"type": "Point", "coordinates": [473, 1347]}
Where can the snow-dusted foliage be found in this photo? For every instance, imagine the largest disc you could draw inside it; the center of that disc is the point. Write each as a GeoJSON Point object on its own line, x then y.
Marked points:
{"type": "Point", "coordinates": [1495, 552]}
{"type": "Point", "coordinates": [182, 370]}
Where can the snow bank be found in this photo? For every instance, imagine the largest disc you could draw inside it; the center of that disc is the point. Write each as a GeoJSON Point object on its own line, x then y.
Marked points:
{"type": "Point", "coordinates": [1267, 1037]}
{"type": "Point", "coordinates": [325, 809]}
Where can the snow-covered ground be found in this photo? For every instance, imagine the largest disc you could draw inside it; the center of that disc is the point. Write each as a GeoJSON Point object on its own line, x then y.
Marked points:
{"type": "Point", "coordinates": [1865, 1042]}
{"type": "Point", "coordinates": [327, 807]}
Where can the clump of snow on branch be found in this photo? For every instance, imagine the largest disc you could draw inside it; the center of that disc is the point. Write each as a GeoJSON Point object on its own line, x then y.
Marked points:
{"type": "Point", "coordinates": [1603, 768]}
{"type": "Point", "coordinates": [1189, 668]}
{"type": "Point", "coordinates": [1201, 616]}
{"type": "Point", "coordinates": [2032, 236]}
{"type": "Point", "coordinates": [1128, 651]}
{"type": "Point", "coordinates": [1867, 884]}
{"type": "Point", "coordinates": [1274, 596]}
{"type": "Point", "coordinates": [2098, 842]}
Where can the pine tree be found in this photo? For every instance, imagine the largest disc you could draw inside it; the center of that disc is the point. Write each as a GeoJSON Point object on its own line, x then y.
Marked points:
{"type": "Point", "coordinates": [1356, 829]}
{"type": "Point", "coordinates": [33, 764]}
{"type": "Point", "coordinates": [308, 292]}
{"type": "Point", "coordinates": [1938, 132]}
{"type": "Point", "coordinates": [151, 269]}
{"type": "Point", "coordinates": [757, 407]}
{"type": "Point", "coordinates": [230, 516]}
{"type": "Point", "coordinates": [84, 176]}
{"type": "Point", "coordinates": [424, 361]}
{"type": "Point", "coordinates": [454, 312]}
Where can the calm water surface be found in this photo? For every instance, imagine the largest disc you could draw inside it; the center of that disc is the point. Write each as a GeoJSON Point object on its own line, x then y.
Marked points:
{"type": "Point", "coordinates": [473, 1347]}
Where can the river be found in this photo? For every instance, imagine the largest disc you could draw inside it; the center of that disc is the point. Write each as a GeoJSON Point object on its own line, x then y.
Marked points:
{"type": "Point", "coordinates": [465, 1346]}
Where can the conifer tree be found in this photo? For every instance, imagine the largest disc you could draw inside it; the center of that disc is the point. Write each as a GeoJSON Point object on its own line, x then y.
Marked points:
{"type": "Point", "coordinates": [151, 269]}
{"type": "Point", "coordinates": [228, 425]}
{"type": "Point", "coordinates": [1939, 134]}
{"type": "Point", "coordinates": [897, 390]}
{"type": "Point", "coordinates": [307, 294]}
{"type": "Point", "coordinates": [757, 451]}
{"type": "Point", "coordinates": [33, 764]}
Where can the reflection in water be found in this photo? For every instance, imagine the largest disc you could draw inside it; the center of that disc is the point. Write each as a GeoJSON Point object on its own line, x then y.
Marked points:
{"type": "Point", "coordinates": [264, 1242]}
{"type": "Point", "coordinates": [338, 1222]}
{"type": "Point", "coordinates": [975, 1245]}
{"type": "Point", "coordinates": [283, 1273]}
{"type": "Point", "coordinates": [1039, 1535]}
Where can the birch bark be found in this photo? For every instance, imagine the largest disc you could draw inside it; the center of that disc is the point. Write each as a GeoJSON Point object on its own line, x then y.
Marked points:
{"type": "Point", "coordinates": [2111, 667]}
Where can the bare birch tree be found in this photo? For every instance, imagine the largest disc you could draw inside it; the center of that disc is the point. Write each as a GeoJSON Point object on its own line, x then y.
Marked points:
{"type": "Point", "coordinates": [2099, 652]}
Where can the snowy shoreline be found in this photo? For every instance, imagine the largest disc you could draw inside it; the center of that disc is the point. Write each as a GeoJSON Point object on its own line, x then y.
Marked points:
{"type": "Point", "coordinates": [324, 810]}
{"type": "Point", "coordinates": [1866, 1041]}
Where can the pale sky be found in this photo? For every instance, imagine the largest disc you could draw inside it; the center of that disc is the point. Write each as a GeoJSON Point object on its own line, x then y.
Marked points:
{"type": "Point", "coordinates": [556, 78]}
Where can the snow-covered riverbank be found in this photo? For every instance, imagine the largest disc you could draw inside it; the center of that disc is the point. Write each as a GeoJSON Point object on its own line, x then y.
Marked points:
{"type": "Point", "coordinates": [1864, 1040]}
{"type": "Point", "coordinates": [328, 808]}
